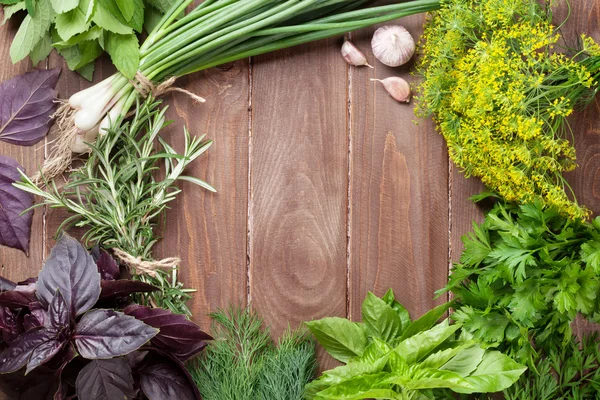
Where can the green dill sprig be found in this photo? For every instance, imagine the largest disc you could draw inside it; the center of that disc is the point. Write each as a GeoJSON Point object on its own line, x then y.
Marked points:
{"type": "Point", "coordinates": [118, 195]}
{"type": "Point", "coordinates": [243, 363]}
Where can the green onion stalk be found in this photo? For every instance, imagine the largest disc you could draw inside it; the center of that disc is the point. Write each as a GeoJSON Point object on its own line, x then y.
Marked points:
{"type": "Point", "coordinates": [214, 33]}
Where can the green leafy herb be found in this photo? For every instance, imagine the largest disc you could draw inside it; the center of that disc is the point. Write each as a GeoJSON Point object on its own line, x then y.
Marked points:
{"type": "Point", "coordinates": [118, 197]}
{"type": "Point", "coordinates": [64, 19]}
{"type": "Point", "coordinates": [396, 358]}
{"type": "Point", "coordinates": [242, 363]}
{"type": "Point", "coordinates": [570, 371]}
{"type": "Point", "coordinates": [524, 275]}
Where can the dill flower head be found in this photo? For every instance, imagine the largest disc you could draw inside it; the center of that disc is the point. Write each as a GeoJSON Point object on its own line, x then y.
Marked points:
{"type": "Point", "coordinates": [500, 95]}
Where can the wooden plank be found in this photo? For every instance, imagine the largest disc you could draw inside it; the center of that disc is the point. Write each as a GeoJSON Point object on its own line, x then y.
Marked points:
{"type": "Point", "coordinates": [298, 187]}
{"type": "Point", "coordinates": [399, 192]}
{"type": "Point", "coordinates": [208, 231]}
{"type": "Point", "coordinates": [14, 264]}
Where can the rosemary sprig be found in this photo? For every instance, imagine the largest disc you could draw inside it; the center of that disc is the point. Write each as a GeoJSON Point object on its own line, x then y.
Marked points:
{"type": "Point", "coordinates": [118, 196]}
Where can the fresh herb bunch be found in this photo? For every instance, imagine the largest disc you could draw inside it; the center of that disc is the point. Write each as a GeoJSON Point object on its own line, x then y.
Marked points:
{"type": "Point", "coordinates": [570, 371]}
{"type": "Point", "coordinates": [73, 332]}
{"type": "Point", "coordinates": [118, 196]}
{"type": "Point", "coordinates": [81, 30]}
{"type": "Point", "coordinates": [388, 356]}
{"type": "Point", "coordinates": [213, 33]}
{"type": "Point", "coordinates": [243, 362]}
{"type": "Point", "coordinates": [500, 95]}
{"type": "Point", "coordinates": [524, 275]}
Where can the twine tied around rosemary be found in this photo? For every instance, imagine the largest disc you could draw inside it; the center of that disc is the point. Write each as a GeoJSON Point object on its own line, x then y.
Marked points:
{"type": "Point", "coordinates": [145, 87]}
{"type": "Point", "coordinates": [139, 266]}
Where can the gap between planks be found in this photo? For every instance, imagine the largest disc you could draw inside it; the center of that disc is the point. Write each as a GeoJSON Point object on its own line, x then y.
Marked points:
{"type": "Point", "coordinates": [249, 191]}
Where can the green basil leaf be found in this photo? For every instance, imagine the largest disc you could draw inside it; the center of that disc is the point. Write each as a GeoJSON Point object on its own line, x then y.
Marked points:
{"type": "Point", "coordinates": [105, 19]}
{"type": "Point", "coordinates": [496, 372]}
{"type": "Point", "coordinates": [426, 321]}
{"type": "Point", "coordinates": [71, 23]}
{"type": "Point", "coordinates": [63, 6]}
{"type": "Point", "coordinates": [127, 8]}
{"type": "Point", "coordinates": [381, 319]}
{"type": "Point", "coordinates": [341, 338]}
{"type": "Point", "coordinates": [30, 5]}
{"type": "Point", "coordinates": [9, 2]}
{"type": "Point", "coordinates": [42, 50]}
{"type": "Point", "coordinates": [87, 7]}
{"type": "Point", "coordinates": [431, 379]}
{"type": "Point", "coordinates": [31, 31]}
{"type": "Point", "coordinates": [9, 11]}
{"type": "Point", "coordinates": [438, 359]}
{"type": "Point", "coordinates": [124, 52]}
{"type": "Point", "coordinates": [466, 361]}
{"type": "Point", "coordinates": [418, 346]}
{"type": "Point", "coordinates": [364, 387]}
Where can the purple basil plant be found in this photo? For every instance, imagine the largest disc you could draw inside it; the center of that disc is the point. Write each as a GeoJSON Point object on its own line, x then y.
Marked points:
{"type": "Point", "coordinates": [73, 334]}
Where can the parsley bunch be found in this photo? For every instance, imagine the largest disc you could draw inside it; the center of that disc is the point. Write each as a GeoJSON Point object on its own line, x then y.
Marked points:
{"type": "Point", "coordinates": [523, 277]}
{"type": "Point", "coordinates": [500, 95]}
{"type": "Point", "coordinates": [81, 30]}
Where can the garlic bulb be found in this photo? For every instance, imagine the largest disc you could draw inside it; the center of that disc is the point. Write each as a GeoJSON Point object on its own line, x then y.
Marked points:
{"type": "Point", "coordinates": [393, 45]}
{"type": "Point", "coordinates": [397, 87]}
{"type": "Point", "coordinates": [353, 55]}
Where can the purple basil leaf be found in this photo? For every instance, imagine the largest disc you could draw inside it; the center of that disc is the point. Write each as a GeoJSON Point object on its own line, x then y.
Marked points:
{"type": "Point", "coordinates": [135, 358]}
{"type": "Point", "coordinates": [26, 104]}
{"type": "Point", "coordinates": [15, 356]}
{"type": "Point", "coordinates": [9, 326]}
{"type": "Point", "coordinates": [166, 379]}
{"type": "Point", "coordinates": [72, 270]}
{"type": "Point", "coordinates": [124, 287]}
{"type": "Point", "coordinates": [27, 281]}
{"type": "Point", "coordinates": [107, 333]}
{"type": "Point", "coordinates": [43, 353]}
{"type": "Point", "coordinates": [105, 380]}
{"type": "Point", "coordinates": [16, 299]}
{"type": "Point", "coordinates": [31, 322]}
{"type": "Point", "coordinates": [38, 385]}
{"type": "Point", "coordinates": [58, 312]}
{"type": "Point", "coordinates": [107, 266]}
{"type": "Point", "coordinates": [177, 335]}
{"type": "Point", "coordinates": [15, 229]}
{"type": "Point", "coordinates": [5, 284]}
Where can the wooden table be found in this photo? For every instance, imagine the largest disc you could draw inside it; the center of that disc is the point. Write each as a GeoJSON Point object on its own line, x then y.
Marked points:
{"type": "Point", "coordinates": [326, 187]}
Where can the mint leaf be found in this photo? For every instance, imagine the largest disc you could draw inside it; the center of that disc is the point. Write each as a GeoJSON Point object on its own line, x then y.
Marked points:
{"type": "Point", "coordinates": [162, 5]}
{"type": "Point", "coordinates": [10, 10]}
{"type": "Point", "coordinates": [152, 17]}
{"type": "Point", "coordinates": [137, 20]}
{"type": "Point", "coordinates": [42, 50]}
{"type": "Point", "coordinates": [341, 338]}
{"type": "Point", "coordinates": [71, 23]}
{"type": "Point", "coordinates": [87, 71]}
{"type": "Point", "coordinates": [124, 52]}
{"type": "Point", "coordinates": [62, 6]}
{"type": "Point", "coordinates": [106, 20]}
{"type": "Point", "coordinates": [127, 8]}
{"type": "Point", "coordinates": [31, 31]}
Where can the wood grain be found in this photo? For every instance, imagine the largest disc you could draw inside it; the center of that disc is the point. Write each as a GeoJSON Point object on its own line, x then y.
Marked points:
{"type": "Point", "coordinates": [299, 184]}
{"type": "Point", "coordinates": [14, 264]}
{"type": "Point", "coordinates": [207, 230]}
{"type": "Point", "coordinates": [399, 192]}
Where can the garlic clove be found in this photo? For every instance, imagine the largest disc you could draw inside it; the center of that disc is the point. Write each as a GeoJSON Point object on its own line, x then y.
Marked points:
{"type": "Point", "coordinates": [393, 45]}
{"type": "Point", "coordinates": [353, 55]}
{"type": "Point", "coordinates": [397, 87]}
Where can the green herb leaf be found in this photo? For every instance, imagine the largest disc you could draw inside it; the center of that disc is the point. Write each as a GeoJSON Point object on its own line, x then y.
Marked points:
{"type": "Point", "coordinates": [426, 321]}
{"type": "Point", "coordinates": [127, 7]}
{"type": "Point", "coordinates": [87, 71]}
{"type": "Point", "coordinates": [124, 52]}
{"type": "Point", "coordinates": [10, 10]}
{"type": "Point", "coordinates": [152, 17]}
{"type": "Point", "coordinates": [105, 19]}
{"type": "Point", "coordinates": [381, 319]}
{"type": "Point", "coordinates": [162, 5]}
{"type": "Point", "coordinates": [341, 338]}
{"type": "Point", "coordinates": [42, 50]}
{"type": "Point", "coordinates": [418, 346]}
{"type": "Point", "coordinates": [496, 372]}
{"type": "Point", "coordinates": [30, 5]}
{"type": "Point", "coordinates": [63, 6]}
{"type": "Point", "coordinates": [71, 23]}
{"type": "Point", "coordinates": [31, 31]}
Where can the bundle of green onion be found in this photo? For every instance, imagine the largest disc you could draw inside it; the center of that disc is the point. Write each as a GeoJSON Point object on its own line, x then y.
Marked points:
{"type": "Point", "coordinates": [214, 33]}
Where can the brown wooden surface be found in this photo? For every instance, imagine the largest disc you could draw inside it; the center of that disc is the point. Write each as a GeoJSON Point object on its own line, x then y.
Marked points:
{"type": "Point", "coordinates": [326, 188]}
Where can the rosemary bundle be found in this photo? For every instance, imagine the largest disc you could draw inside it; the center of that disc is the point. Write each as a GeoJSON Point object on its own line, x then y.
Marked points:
{"type": "Point", "coordinates": [118, 197]}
